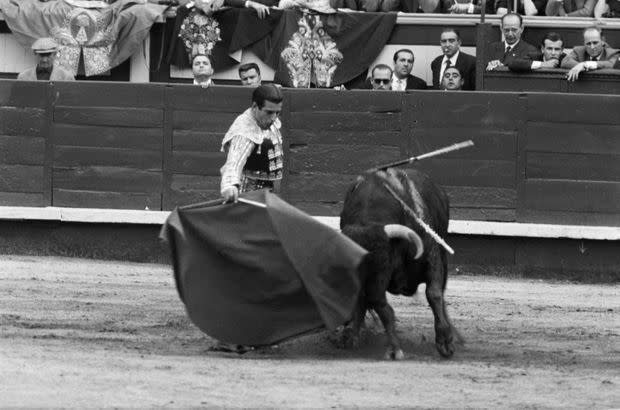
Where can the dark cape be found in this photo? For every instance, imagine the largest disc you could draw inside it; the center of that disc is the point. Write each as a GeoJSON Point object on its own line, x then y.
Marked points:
{"type": "Point", "coordinates": [256, 276]}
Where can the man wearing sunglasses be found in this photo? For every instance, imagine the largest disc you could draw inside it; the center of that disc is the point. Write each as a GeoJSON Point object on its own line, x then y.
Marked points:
{"type": "Point", "coordinates": [381, 77]}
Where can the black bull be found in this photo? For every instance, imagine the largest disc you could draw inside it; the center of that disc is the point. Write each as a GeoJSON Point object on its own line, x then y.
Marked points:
{"type": "Point", "coordinates": [391, 264]}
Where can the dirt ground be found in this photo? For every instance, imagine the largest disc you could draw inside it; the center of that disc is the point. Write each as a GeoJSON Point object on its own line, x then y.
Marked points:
{"type": "Point", "coordinates": [83, 333]}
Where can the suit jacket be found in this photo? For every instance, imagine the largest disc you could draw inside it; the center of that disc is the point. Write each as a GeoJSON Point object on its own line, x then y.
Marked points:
{"type": "Point", "coordinates": [416, 83]}
{"type": "Point", "coordinates": [413, 83]}
{"type": "Point", "coordinates": [607, 59]}
{"type": "Point", "coordinates": [522, 50]}
{"type": "Point", "coordinates": [466, 65]}
{"type": "Point", "coordinates": [522, 65]}
{"type": "Point", "coordinates": [58, 74]}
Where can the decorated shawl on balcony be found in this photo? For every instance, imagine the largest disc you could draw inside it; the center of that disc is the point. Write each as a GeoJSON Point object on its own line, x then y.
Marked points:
{"type": "Point", "coordinates": [101, 35]}
{"type": "Point", "coordinates": [305, 48]}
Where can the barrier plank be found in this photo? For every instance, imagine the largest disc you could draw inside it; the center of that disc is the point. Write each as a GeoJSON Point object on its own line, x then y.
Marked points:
{"type": "Point", "coordinates": [22, 150]}
{"type": "Point", "coordinates": [572, 196]}
{"type": "Point", "coordinates": [98, 199]}
{"type": "Point", "coordinates": [545, 216]}
{"type": "Point", "coordinates": [477, 250]}
{"type": "Point", "coordinates": [203, 163]}
{"type": "Point", "coordinates": [465, 172]}
{"type": "Point", "coordinates": [578, 109]}
{"type": "Point", "coordinates": [351, 101]}
{"type": "Point", "coordinates": [212, 99]}
{"type": "Point", "coordinates": [107, 116]}
{"type": "Point", "coordinates": [183, 140]}
{"type": "Point", "coordinates": [483, 110]}
{"type": "Point", "coordinates": [319, 208]}
{"type": "Point", "coordinates": [488, 143]}
{"type": "Point", "coordinates": [65, 156]}
{"type": "Point", "coordinates": [113, 95]}
{"type": "Point", "coordinates": [107, 179]}
{"type": "Point", "coordinates": [191, 189]}
{"type": "Point", "coordinates": [21, 178]}
{"type": "Point", "coordinates": [202, 121]}
{"type": "Point", "coordinates": [22, 121]}
{"type": "Point", "coordinates": [572, 138]}
{"type": "Point", "coordinates": [299, 136]}
{"type": "Point", "coordinates": [569, 254]}
{"type": "Point", "coordinates": [107, 136]}
{"type": "Point", "coordinates": [23, 94]}
{"type": "Point", "coordinates": [23, 199]}
{"type": "Point", "coordinates": [554, 82]}
{"type": "Point", "coordinates": [343, 159]}
{"type": "Point", "coordinates": [345, 121]}
{"type": "Point", "coordinates": [481, 197]}
{"type": "Point", "coordinates": [323, 187]}
{"type": "Point", "coordinates": [483, 214]}
{"type": "Point", "coordinates": [543, 165]}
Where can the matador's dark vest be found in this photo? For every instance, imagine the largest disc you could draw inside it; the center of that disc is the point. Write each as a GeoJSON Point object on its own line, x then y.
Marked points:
{"type": "Point", "coordinates": [265, 162]}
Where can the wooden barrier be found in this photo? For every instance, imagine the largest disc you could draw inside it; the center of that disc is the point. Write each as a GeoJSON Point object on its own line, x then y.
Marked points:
{"type": "Point", "coordinates": [543, 158]}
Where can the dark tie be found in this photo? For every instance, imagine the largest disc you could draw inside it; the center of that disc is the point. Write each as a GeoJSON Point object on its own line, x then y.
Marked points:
{"type": "Point", "coordinates": [448, 64]}
{"type": "Point", "coordinates": [507, 53]}
{"type": "Point", "coordinates": [592, 58]}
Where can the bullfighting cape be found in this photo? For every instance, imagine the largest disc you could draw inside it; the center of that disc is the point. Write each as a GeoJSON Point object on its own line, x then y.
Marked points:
{"type": "Point", "coordinates": [258, 275]}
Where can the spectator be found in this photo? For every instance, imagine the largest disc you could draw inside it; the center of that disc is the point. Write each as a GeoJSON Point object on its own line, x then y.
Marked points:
{"type": "Point", "coordinates": [452, 80]}
{"type": "Point", "coordinates": [501, 53]}
{"type": "Point", "coordinates": [381, 77]}
{"type": "Point", "coordinates": [202, 70]}
{"type": "Point", "coordinates": [593, 55]}
{"type": "Point", "coordinates": [466, 6]}
{"type": "Point", "coordinates": [571, 8]}
{"type": "Point", "coordinates": [607, 8]}
{"type": "Point", "coordinates": [249, 74]}
{"type": "Point", "coordinates": [45, 52]}
{"type": "Point", "coordinates": [550, 56]}
{"type": "Point", "coordinates": [524, 7]}
{"type": "Point", "coordinates": [450, 41]}
{"type": "Point", "coordinates": [402, 79]}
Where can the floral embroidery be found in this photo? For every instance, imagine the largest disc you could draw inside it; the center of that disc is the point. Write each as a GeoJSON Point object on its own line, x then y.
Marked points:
{"type": "Point", "coordinates": [312, 55]}
{"type": "Point", "coordinates": [199, 33]}
{"type": "Point", "coordinates": [89, 32]}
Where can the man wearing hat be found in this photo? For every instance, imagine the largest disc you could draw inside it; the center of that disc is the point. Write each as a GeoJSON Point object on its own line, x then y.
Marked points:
{"type": "Point", "coordinates": [45, 51]}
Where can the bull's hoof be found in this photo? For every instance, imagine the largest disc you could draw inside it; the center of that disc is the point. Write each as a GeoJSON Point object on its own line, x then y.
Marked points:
{"type": "Point", "coordinates": [445, 349]}
{"type": "Point", "coordinates": [394, 354]}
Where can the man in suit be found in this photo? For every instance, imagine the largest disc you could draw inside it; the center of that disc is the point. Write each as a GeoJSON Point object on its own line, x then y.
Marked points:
{"type": "Point", "coordinates": [401, 77]}
{"type": "Point", "coordinates": [202, 70]}
{"type": "Point", "coordinates": [381, 77]}
{"type": "Point", "coordinates": [450, 41]}
{"type": "Point", "coordinates": [593, 55]}
{"type": "Point", "coordinates": [550, 56]}
{"type": "Point", "coordinates": [452, 80]}
{"type": "Point", "coordinates": [249, 74]}
{"type": "Point", "coordinates": [45, 51]}
{"type": "Point", "coordinates": [501, 53]}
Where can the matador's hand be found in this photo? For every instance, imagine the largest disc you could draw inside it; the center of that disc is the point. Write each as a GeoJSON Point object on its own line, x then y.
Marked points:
{"type": "Point", "coordinates": [231, 194]}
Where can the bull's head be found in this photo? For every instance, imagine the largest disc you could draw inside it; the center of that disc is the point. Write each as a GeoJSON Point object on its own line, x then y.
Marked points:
{"type": "Point", "coordinates": [404, 232]}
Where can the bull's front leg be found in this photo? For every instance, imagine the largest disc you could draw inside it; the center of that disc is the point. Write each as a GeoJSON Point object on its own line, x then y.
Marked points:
{"type": "Point", "coordinates": [444, 336]}
{"type": "Point", "coordinates": [388, 319]}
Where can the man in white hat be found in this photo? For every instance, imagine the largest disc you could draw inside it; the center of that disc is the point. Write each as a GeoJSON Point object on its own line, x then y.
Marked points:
{"type": "Point", "coordinates": [45, 51]}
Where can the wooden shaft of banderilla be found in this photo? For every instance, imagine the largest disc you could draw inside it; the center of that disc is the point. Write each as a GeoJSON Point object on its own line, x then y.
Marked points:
{"type": "Point", "coordinates": [423, 224]}
{"type": "Point", "coordinates": [439, 151]}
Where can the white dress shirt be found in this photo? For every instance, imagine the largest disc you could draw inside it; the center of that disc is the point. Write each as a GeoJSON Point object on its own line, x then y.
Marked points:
{"type": "Point", "coordinates": [399, 84]}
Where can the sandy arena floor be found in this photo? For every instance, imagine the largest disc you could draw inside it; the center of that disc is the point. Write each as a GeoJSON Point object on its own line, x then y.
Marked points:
{"type": "Point", "coordinates": [82, 333]}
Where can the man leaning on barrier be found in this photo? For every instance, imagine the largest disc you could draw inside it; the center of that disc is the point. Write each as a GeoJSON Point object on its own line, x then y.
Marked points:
{"type": "Point", "coordinates": [593, 55]}
{"type": "Point", "coordinates": [551, 55]}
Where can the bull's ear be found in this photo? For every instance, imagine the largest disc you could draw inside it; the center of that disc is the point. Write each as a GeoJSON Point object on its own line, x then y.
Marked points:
{"type": "Point", "coordinates": [404, 232]}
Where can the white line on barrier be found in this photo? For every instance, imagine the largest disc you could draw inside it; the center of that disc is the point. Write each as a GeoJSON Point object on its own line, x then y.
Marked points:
{"type": "Point", "coordinates": [124, 216]}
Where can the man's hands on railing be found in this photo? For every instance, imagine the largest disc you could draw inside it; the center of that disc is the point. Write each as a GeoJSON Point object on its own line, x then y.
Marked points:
{"type": "Point", "coordinates": [573, 73]}
{"type": "Point", "coordinates": [492, 65]}
{"type": "Point", "coordinates": [262, 10]}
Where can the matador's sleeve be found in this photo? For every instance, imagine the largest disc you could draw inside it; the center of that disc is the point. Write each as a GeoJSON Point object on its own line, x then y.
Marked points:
{"type": "Point", "coordinates": [239, 150]}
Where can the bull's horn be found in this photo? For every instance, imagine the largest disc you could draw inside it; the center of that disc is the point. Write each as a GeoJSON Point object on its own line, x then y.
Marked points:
{"type": "Point", "coordinates": [404, 232]}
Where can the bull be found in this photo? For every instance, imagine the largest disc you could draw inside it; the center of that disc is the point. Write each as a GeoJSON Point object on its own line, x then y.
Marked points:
{"type": "Point", "coordinates": [401, 254]}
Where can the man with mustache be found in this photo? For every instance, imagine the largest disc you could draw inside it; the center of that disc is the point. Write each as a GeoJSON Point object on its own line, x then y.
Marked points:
{"type": "Point", "coordinates": [450, 41]}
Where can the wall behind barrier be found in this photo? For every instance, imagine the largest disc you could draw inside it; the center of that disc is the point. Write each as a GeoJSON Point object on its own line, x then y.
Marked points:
{"type": "Point", "coordinates": [539, 157]}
